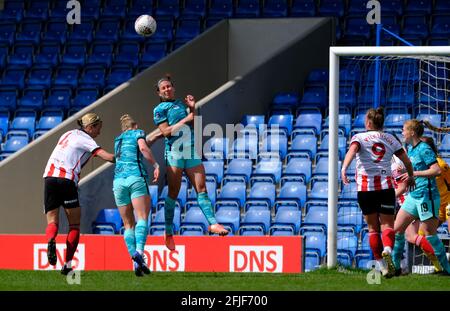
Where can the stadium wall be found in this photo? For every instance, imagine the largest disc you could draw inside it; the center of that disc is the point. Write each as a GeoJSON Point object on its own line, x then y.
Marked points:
{"type": "Point", "coordinates": [261, 57]}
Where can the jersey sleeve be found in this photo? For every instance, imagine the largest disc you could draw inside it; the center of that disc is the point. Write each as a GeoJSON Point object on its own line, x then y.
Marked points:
{"type": "Point", "coordinates": [159, 115]}
{"type": "Point", "coordinates": [140, 134]}
{"type": "Point", "coordinates": [355, 140]}
{"type": "Point", "coordinates": [89, 144]}
{"type": "Point", "coordinates": [428, 156]}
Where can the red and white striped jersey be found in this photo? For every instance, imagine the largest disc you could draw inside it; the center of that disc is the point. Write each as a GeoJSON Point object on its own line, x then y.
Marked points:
{"type": "Point", "coordinates": [73, 150]}
{"type": "Point", "coordinates": [398, 168]}
{"type": "Point", "coordinates": [373, 159]}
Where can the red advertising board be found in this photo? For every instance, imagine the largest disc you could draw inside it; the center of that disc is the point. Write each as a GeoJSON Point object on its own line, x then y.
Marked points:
{"type": "Point", "coordinates": [192, 254]}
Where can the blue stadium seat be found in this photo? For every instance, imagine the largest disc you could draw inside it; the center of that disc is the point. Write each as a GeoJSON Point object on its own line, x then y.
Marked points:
{"type": "Point", "coordinates": [48, 55]}
{"type": "Point", "coordinates": [251, 231]}
{"type": "Point", "coordinates": [14, 141]}
{"type": "Point", "coordinates": [407, 71]}
{"type": "Point", "coordinates": [303, 8]}
{"type": "Point", "coordinates": [191, 231]}
{"type": "Point", "coordinates": [153, 190]}
{"type": "Point", "coordinates": [258, 218]}
{"type": "Point", "coordinates": [12, 11]}
{"type": "Point", "coordinates": [366, 97]}
{"type": "Point", "coordinates": [309, 119]}
{"type": "Point", "coordinates": [314, 96]}
{"type": "Point", "coordinates": [357, 7]}
{"type": "Point", "coordinates": [401, 95]}
{"type": "Point", "coordinates": [419, 7]}
{"type": "Point", "coordinates": [7, 32]}
{"type": "Point", "coordinates": [270, 168]}
{"type": "Point", "coordinates": [114, 9]}
{"type": "Point", "coordinates": [442, 6]}
{"type": "Point", "coordinates": [350, 217]}
{"type": "Point", "coordinates": [8, 98]}
{"type": "Point", "coordinates": [4, 121]}
{"type": "Point", "coordinates": [357, 28]}
{"type": "Point", "coordinates": [153, 52]}
{"type": "Point", "coordinates": [312, 260]}
{"type": "Point", "coordinates": [254, 121]}
{"type": "Point", "coordinates": [362, 259]}
{"type": "Point", "coordinates": [275, 8]}
{"type": "Point", "coordinates": [347, 241]}
{"type": "Point", "coordinates": [49, 119]}
{"type": "Point", "coordinates": [285, 100]}
{"type": "Point", "coordinates": [262, 192]}
{"type": "Point", "coordinates": [93, 76]}
{"type": "Point", "coordinates": [216, 147]}
{"type": "Point", "coordinates": [342, 145]}
{"type": "Point", "coordinates": [240, 167]}
{"type": "Point", "coordinates": [415, 26]}
{"type": "Point", "coordinates": [22, 55]}
{"type": "Point", "coordinates": [214, 168]}
{"type": "Point", "coordinates": [85, 96]}
{"type": "Point", "coordinates": [276, 143]}
{"type": "Point", "coordinates": [32, 99]}
{"type": "Point", "coordinates": [445, 143]}
{"type": "Point", "coordinates": [66, 76]}
{"type": "Point", "coordinates": [127, 53]}
{"type": "Point", "coordinates": [195, 8]}
{"type": "Point", "coordinates": [188, 28]}
{"type": "Point", "coordinates": [108, 216]}
{"type": "Point", "coordinates": [164, 32]}
{"type": "Point", "coordinates": [59, 10]}
{"type": "Point", "coordinates": [159, 219]}
{"type": "Point", "coordinates": [319, 188]}
{"type": "Point", "coordinates": [277, 230]}
{"type": "Point", "coordinates": [74, 54]}
{"type": "Point", "coordinates": [119, 74]}
{"type": "Point", "coordinates": [233, 190]}
{"type": "Point", "coordinates": [332, 8]}
{"type": "Point", "coordinates": [304, 141]}
{"type": "Point", "coordinates": [321, 168]}
{"type": "Point", "coordinates": [247, 9]}
{"type": "Point", "coordinates": [315, 240]}
{"type": "Point", "coordinates": [229, 217]}
{"type": "Point", "coordinates": [40, 77]}
{"type": "Point", "coordinates": [211, 21]}
{"type": "Point", "coordinates": [396, 119]}
{"type": "Point", "coordinates": [292, 191]}
{"type": "Point", "coordinates": [167, 8]}
{"type": "Point", "coordinates": [108, 30]}
{"type": "Point", "coordinates": [90, 10]}
{"type": "Point", "coordinates": [24, 120]}
{"type": "Point", "coordinates": [440, 25]}
{"type": "Point", "coordinates": [30, 32]}
{"type": "Point", "coordinates": [101, 54]}
{"type": "Point", "coordinates": [59, 97]}
{"type": "Point", "coordinates": [392, 7]}
{"type": "Point", "coordinates": [298, 166]}
{"type": "Point", "coordinates": [13, 77]}
{"type": "Point", "coordinates": [194, 217]}
{"type": "Point", "coordinates": [289, 218]}
{"type": "Point", "coordinates": [37, 10]}
{"type": "Point", "coordinates": [182, 194]}
{"type": "Point", "coordinates": [221, 8]}
{"type": "Point", "coordinates": [246, 145]}
{"type": "Point", "coordinates": [83, 32]}
{"type": "Point", "coordinates": [281, 121]}
{"type": "Point", "coordinates": [349, 192]}
{"type": "Point", "coordinates": [344, 121]}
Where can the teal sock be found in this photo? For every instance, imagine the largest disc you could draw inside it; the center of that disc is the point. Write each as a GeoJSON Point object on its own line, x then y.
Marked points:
{"type": "Point", "coordinates": [206, 207]}
{"type": "Point", "coordinates": [141, 231]}
{"type": "Point", "coordinates": [169, 209]}
{"type": "Point", "coordinates": [397, 252]}
{"type": "Point", "coordinates": [439, 251]}
{"type": "Point", "coordinates": [130, 241]}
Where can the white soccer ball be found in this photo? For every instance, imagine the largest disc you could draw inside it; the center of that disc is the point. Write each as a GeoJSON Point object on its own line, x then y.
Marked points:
{"type": "Point", "coordinates": [145, 25]}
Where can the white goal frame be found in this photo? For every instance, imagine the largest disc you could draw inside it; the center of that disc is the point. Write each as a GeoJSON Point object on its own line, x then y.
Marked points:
{"type": "Point", "coordinates": [335, 53]}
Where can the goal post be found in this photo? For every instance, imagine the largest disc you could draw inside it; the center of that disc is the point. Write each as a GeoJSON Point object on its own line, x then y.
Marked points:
{"type": "Point", "coordinates": [333, 175]}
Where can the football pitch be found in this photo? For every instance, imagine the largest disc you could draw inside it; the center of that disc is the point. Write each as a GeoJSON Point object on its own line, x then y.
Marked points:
{"type": "Point", "coordinates": [319, 280]}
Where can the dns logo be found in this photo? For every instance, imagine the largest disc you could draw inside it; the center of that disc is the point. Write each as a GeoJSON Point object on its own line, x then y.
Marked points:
{"type": "Point", "coordinates": [40, 261]}
{"type": "Point", "coordinates": [256, 258]}
{"type": "Point", "coordinates": [159, 258]}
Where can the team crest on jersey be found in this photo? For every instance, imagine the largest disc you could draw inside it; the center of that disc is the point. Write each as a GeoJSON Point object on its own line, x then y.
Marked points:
{"type": "Point", "coordinates": [157, 115]}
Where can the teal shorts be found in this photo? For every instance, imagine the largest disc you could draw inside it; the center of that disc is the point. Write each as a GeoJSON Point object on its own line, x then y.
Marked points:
{"type": "Point", "coordinates": [422, 208]}
{"type": "Point", "coordinates": [182, 160]}
{"type": "Point", "coordinates": [126, 189]}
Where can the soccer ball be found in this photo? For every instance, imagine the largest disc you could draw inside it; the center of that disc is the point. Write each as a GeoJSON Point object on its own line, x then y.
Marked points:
{"type": "Point", "coordinates": [145, 25]}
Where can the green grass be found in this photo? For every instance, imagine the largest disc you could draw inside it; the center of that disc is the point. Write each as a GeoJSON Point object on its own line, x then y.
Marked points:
{"type": "Point", "coordinates": [319, 280]}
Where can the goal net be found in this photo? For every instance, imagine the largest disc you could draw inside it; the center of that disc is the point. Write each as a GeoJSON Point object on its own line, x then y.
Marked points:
{"type": "Point", "coordinates": [410, 83]}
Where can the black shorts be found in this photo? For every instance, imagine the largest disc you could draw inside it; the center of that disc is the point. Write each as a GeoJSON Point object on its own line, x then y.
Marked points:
{"type": "Point", "coordinates": [60, 192]}
{"type": "Point", "coordinates": [381, 202]}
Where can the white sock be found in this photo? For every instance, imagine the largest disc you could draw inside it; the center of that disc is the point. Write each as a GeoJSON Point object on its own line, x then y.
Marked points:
{"type": "Point", "coordinates": [388, 249]}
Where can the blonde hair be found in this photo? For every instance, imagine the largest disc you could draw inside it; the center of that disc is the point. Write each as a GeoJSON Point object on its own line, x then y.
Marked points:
{"type": "Point", "coordinates": [89, 119]}
{"type": "Point", "coordinates": [127, 122]}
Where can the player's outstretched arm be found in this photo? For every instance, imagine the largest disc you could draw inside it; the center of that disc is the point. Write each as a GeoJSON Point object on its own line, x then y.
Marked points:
{"type": "Point", "coordinates": [347, 160]}
{"type": "Point", "coordinates": [105, 156]}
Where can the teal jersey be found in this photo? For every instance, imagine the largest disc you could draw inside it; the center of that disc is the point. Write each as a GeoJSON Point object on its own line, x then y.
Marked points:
{"type": "Point", "coordinates": [172, 113]}
{"type": "Point", "coordinates": [129, 159]}
{"type": "Point", "coordinates": [422, 157]}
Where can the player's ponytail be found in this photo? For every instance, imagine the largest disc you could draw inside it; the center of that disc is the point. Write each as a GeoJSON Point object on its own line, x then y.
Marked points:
{"type": "Point", "coordinates": [127, 122]}
{"type": "Point", "coordinates": [434, 128]}
{"type": "Point", "coordinates": [430, 142]}
{"type": "Point", "coordinates": [376, 116]}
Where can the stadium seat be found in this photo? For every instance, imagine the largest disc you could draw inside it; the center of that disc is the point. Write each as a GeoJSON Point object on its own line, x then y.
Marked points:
{"type": "Point", "coordinates": [304, 141]}
{"type": "Point", "coordinates": [13, 77]}
{"type": "Point", "coordinates": [182, 194]}
{"type": "Point", "coordinates": [109, 217]}
{"type": "Point", "coordinates": [303, 8]}
{"type": "Point", "coordinates": [298, 166]}
{"type": "Point", "coordinates": [24, 120]}
{"type": "Point", "coordinates": [83, 32]}
{"type": "Point", "coordinates": [246, 146]}
{"type": "Point", "coordinates": [8, 99]}
{"type": "Point", "coordinates": [314, 96]}
{"type": "Point", "coordinates": [119, 74]}
{"type": "Point", "coordinates": [357, 28]}
{"type": "Point", "coordinates": [211, 188]}
{"type": "Point", "coordinates": [195, 8]}
{"type": "Point", "coordinates": [275, 8]}
{"type": "Point", "coordinates": [49, 119]}
{"type": "Point", "coordinates": [37, 10]}
{"type": "Point", "coordinates": [221, 8]}
{"type": "Point", "coordinates": [342, 144]}
{"type": "Point", "coordinates": [74, 55]}
{"type": "Point", "coordinates": [4, 121]}
{"type": "Point", "coordinates": [281, 121]}
{"type": "Point", "coordinates": [93, 76]}
{"type": "Point", "coordinates": [127, 53]}
{"type": "Point", "coordinates": [30, 32]}
{"type": "Point", "coordinates": [312, 260]}
{"type": "Point", "coordinates": [229, 217]}
{"type": "Point", "coordinates": [332, 8]}
{"type": "Point", "coordinates": [85, 96]}
{"type": "Point", "coordinates": [108, 29]}
{"type": "Point", "coordinates": [289, 218]}
{"type": "Point", "coordinates": [159, 219]}
{"type": "Point", "coordinates": [32, 99]}
{"type": "Point", "coordinates": [270, 168]}
{"type": "Point", "coordinates": [22, 55]}
{"type": "Point", "coordinates": [276, 143]}
{"type": "Point", "coordinates": [233, 190]}
{"type": "Point", "coordinates": [309, 119]}
{"type": "Point", "coordinates": [55, 31]}
{"type": "Point", "coordinates": [101, 54]}
{"type": "Point", "coordinates": [41, 77]}
{"type": "Point", "coordinates": [214, 169]}
{"type": "Point", "coordinates": [48, 55]}
{"type": "Point", "coordinates": [419, 7]}
{"type": "Point", "coordinates": [66, 76]}
{"type": "Point", "coordinates": [216, 147]}
{"type": "Point", "coordinates": [396, 119]}
{"type": "Point", "coordinates": [188, 28]}
{"type": "Point", "coordinates": [59, 97]}
{"type": "Point", "coordinates": [168, 8]}
{"type": "Point", "coordinates": [285, 100]}
{"type": "Point", "coordinates": [415, 26]}
{"type": "Point", "coordinates": [256, 218]}
{"type": "Point", "coordinates": [114, 9]}
{"type": "Point", "coordinates": [12, 11]}
{"type": "Point", "coordinates": [315, 240]}
{"type": "Point", "coordinates": [319, 188]}
{"type": "Point", "coordinates": [261, 192]}
{"type": "Point", "coordinates": [194, 217]}
{"type": "Point", "coordinates": [247, 9]}
{"type": "Point", "coordinates": [293, 191]}
{"type": "Point", "coordinates": [240, 167]}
